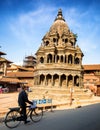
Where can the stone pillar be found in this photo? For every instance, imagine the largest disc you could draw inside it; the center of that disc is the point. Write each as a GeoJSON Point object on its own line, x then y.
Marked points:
{"type": "Point", "coordinates": [34, 81]}
{"type": "Point", "coordinates": [80, 61]}
{"type": "Point", "coordinates": [80, 81]}
{"type": "Point", "coordinates": [66, 81]}
{"type": "Point", "coordinates": [55, 58]}
{"type": "Point", "coordinates": [73, 81]}
{"type": "Point", "coordinates": [63, 59]}
{"type": "Point", "coordinates": [45, 81]}
{"type": "Point", "coordinates": [73, 60]}
{"type": "Point", "coordinates": [66, 59]}
{"type": "Point", "coordinates": [59, 61]}
{"type": "Point", "coordinates": [38, 77]}
{"type": "Point", "coordinates": [53, 61]}
{"type": "Point", "coordinates": [52, 81]}
{"type": "Point", "coordinates": [59, 81]}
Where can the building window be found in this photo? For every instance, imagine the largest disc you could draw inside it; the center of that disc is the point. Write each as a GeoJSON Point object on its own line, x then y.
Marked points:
{"type": "Point", "coordinates": [41, 60]}
{"type": "Point", "coordinates": [47, 43]}
{"type": "Point", "coordinates": [49, 58]}
{"type": "Point", "coordinates": [70, 59]}
{"type": "Point", "coordinates": [61, 58]}
{"type": "Point", "coordinates": [66, 40]}
{"type": "Point", "coordinates": [77, 61]}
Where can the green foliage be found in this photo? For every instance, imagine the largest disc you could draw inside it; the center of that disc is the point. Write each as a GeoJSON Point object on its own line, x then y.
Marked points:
{"type": "Point", "coordinates": [75, 35]}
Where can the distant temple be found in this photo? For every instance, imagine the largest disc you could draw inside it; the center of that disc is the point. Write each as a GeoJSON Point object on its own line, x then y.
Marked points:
{"type": "Point", "coordinates": [29, 61]}
{"type": "Point", "coordinates": [59, 59]}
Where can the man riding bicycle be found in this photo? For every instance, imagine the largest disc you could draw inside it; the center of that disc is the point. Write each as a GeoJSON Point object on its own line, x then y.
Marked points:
{"type": "Point", "coordinates": [22, 100]}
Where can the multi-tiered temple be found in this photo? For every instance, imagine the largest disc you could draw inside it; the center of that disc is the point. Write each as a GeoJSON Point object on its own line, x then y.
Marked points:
{"type": "Point", "coordinates": [59, 59]}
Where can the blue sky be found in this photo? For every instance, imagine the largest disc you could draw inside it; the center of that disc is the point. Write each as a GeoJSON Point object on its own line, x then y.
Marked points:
{"type": "Point", "coordinates": [23, 23]}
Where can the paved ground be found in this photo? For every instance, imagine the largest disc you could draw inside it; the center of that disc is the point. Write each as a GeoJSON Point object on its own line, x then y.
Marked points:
{"type": "Point", "coordinates": [7, 100]}
{"type": "Point", "coordinates": [84, 118]}
{"type": "Point", "coordinates": [10, 100]}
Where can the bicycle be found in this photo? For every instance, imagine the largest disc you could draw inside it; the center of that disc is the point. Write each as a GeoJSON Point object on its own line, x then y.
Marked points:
{"type": "Point", "coordinates": [13, 117]}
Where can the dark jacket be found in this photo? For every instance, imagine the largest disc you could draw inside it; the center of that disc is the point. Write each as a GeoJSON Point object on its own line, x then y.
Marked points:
{"type": "Point", "coordinates": [23, 99]}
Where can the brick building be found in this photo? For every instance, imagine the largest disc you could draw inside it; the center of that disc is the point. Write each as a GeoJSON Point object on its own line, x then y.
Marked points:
{"type": "Point", "coordinates": [92, 78]}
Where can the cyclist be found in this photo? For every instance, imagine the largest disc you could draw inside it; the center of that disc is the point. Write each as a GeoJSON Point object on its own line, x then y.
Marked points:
{"type": "Point", "coordinates": [22, 100]}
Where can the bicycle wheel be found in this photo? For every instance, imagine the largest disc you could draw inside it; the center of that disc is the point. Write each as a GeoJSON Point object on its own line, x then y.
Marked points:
{"type": "Point", "coordinates": [11, 119]}
{"type": "Point", "coordinates": [36, 114]}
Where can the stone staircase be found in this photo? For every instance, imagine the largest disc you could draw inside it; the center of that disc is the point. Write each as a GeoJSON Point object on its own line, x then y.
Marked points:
{"type": "Point", "coordinates": [59, 94]}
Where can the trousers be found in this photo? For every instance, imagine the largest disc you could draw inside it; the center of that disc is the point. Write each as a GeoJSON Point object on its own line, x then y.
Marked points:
{"type": "Point", "coordinates": [23, 113]}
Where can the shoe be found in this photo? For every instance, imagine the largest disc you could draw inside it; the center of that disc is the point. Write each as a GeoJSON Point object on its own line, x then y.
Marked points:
{"type": "Point", "coordinates": [26, 122]}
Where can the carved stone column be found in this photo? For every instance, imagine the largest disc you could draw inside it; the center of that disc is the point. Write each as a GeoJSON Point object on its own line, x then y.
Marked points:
{"type": "Point", "coordinates": [73, 81]}
{"type": "Point", "coordinates": [67, 59]}
{"type": "Point", "coordinates": [45, 81]}
{"type": "Point", "coordinates": [52, 81]}
{"type": "Point", "coordinates": [73, 60]}
{"type": "Point", "coordinates": [66, 81]}
{"type": "Point", "coordinates": [80, 81]}
{"type": "Point", "coordinates": [38, 77]}
{"type": "Point", "coordinates": [59, 81]}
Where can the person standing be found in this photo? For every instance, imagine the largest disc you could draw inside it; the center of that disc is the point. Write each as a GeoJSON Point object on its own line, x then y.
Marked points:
{"type": "Point", "coordinates": [22, 100]}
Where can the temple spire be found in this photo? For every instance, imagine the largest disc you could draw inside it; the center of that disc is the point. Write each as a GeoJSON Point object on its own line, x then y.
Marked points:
{"type": "Point", "coordinates": [59, 15]}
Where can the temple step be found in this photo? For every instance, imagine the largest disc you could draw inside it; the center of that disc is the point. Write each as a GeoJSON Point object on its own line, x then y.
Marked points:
{"type": "Point", "coordinates": [60, 94]}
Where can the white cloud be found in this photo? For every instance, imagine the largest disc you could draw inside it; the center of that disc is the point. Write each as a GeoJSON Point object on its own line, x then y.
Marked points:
{"type": "Point", "coordinates": [86, 25]}
{"type": "Point", "coordinates": [30, 27]}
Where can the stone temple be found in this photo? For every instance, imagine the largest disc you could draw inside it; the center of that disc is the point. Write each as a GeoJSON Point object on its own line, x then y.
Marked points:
{"type": "Point", "coordinates": [59, 59]}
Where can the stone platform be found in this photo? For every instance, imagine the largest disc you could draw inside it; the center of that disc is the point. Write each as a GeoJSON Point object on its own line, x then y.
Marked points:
{"type": "Point", "coordinates": [60, 94]}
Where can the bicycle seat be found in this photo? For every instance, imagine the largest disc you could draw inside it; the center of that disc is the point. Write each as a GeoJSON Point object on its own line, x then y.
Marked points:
{"type": "Point", "coordinates": [15, 108]}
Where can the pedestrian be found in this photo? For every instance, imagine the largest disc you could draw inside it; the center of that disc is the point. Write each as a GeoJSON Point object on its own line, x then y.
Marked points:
{"type": "Point", "coordinates": [0, 89]}
{"type": "Point", "coordinates": [22, 100]}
